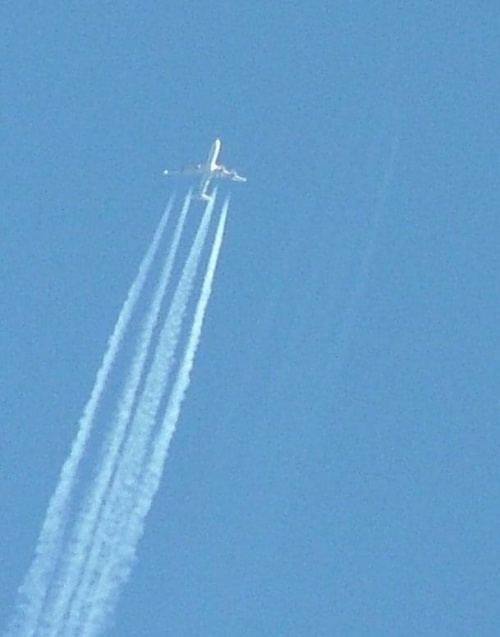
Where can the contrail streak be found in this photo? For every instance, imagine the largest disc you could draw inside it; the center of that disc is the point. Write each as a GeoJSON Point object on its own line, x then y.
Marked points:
{"type": "Point", "coordinates": [75, 555]}
{"type": "Point", "coordinates": [120, 497]}
{"type": "Point", "coordinates": [33, 590]}
{"type": "Point", "coordinates": [116, 570]}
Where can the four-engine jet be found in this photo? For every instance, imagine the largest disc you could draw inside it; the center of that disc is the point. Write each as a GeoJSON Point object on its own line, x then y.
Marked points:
{"type": "Point", "coordinates": [208, 171]}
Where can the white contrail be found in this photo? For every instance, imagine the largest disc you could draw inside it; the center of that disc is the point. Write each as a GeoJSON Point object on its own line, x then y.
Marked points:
{"type": "Point", "coordinates": [34, 588]}
{"type": "Point", "coordinates": [79, 545]}
{"type": "Point", "coordinates": [116, 570]}
{"type": "Point", "coordinates": [120, 497]}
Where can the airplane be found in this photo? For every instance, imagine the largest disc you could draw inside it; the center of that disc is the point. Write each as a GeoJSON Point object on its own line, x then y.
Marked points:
{"type": "Point", "coordinates": [208, 171]}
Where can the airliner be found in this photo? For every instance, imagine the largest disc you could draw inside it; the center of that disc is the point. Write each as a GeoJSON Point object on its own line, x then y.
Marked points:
{"type": "Point", "coordinates": [208, 171]}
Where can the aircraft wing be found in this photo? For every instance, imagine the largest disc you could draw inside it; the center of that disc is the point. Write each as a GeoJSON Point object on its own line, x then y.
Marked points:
{"type": "Point", "coordinates": [237, 177]}
{"type": "Point", "coordinates": [229, 173]}
{"type": "Point", "coordinates": [186, 172]}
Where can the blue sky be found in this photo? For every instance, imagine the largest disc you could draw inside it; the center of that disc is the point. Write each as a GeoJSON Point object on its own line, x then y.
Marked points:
{"type": "Point", "coordinates": [335, 471]}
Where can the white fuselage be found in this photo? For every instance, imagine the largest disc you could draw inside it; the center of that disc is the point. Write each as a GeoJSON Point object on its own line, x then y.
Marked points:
{"type": "Point", "coordinates": [213, 156]}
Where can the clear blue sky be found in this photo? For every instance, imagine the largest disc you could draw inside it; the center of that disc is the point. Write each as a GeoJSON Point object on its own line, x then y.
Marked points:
{"type": "Point", "coordinates": [336, 469]}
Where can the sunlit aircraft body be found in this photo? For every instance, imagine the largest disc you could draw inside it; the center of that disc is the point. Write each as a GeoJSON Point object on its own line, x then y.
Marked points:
{"type": "Point", "coordinates": [208, 171]}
